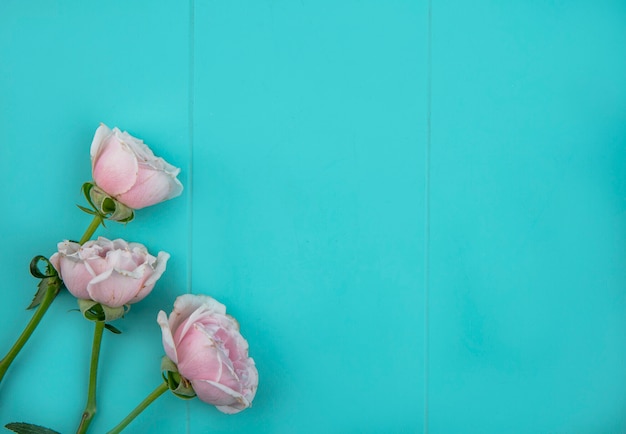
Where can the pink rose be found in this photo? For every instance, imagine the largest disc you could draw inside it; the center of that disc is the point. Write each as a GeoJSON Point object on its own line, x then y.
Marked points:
{"type": "Point", "coordinates": [126, 169]}
{"type": "Point", "coordinates": [210, 352]}
{"type": "Point", "coordinates": [113, 273]}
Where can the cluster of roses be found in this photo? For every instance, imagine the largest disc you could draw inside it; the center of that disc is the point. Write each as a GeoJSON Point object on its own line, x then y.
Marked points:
{"type": "Point", "coordinates": [206, 356]}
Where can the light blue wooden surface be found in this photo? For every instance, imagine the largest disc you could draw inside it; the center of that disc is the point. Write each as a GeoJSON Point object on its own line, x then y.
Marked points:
{"type": "Point", "coordinates": [416, 210]}
{"type": "Point", "coordinates": [528, 193]}
{"type": "Point", "coordinates": [528, 197]}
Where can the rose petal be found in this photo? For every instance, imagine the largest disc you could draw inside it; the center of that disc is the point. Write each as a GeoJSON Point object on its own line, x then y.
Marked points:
{"type": "Point", "coordinates": [139, 148]}
{"type": "Point", "coordinates": [55, 261]}
{"type": "Point", "coordinates": [144, 290]}
{"type": "Point", "coordinates": [199, 358]}
{"type": "Point", "coordinates": [219, 395]}
{"type": "Point", "coordinates": [96, 144]}
{"type": "Point", "coordinates": [158, 267]}
{"type": "Point", "coordinates": [168, 339]}
{"type": "Point", "coordinates": [75, 276]}
{"type": "Point", "coordinates": [115, 168]}
{"type": "Point", "coordinates": [151, 187]}
{"type": "Point", "coordinates": [185, 305]}
{"type": "Point", "coordinates": [113, 288]}
{"type": "Point", "coordinates": [202, 358]}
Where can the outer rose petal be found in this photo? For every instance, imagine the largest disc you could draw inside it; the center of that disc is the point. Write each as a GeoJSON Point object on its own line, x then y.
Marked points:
{"type": "Point", "coordinates": [151, 187]}
{"type": "Point", "coordinates": [115, 169]}
{"type": "Point", "coordinates": [219, 395]}
{"type": "Point", "coordinates": [96, 144]}
{"type": "Point", "coordinates": [75, 276]}
{"type": "Point", "coordinates": [55, 261]}
{"type": "Point", "coordinates": [159, 267]}
{"type": "Point", "coordinates": [252, 380]}
{"type": "Point", "coordinates": [113, 288]}
{"type": "Point", "coordinates": [168, 339]}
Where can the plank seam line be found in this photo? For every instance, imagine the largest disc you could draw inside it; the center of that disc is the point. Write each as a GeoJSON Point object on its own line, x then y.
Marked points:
{"type": "Point", "coordinates": [427, 212]}
{"type": "Point", "coordinates": [191, 113]}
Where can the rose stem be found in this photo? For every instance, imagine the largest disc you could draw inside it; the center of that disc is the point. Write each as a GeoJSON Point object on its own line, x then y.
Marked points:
{"type": "Point", "coordinates": [48, 298]}
{"type": "Point", "coordinates": [41, 310]}
{"type": "Point", "coordinates": [141, 407]}
{"type": "Point", "coordinates": [90, 408]}
{"type": "Point", "coordinates": [97, 220]}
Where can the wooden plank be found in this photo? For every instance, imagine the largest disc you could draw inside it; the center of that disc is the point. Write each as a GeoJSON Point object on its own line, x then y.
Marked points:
{"type": "Point", "coordinates": [527, 180]}
{"type": "Point", "coordinates": [65, 67]}
{"type": "Point", "coordinates": [308, 207]}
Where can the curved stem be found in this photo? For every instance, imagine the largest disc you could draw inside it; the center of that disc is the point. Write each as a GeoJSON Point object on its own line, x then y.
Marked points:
{"type": "Point", "coordinates": [41, 310]}
{"type": "Point", "coordinates": [48, 298]}
{"type": "Point", "coordinates": [97, 220]}
{"type": "Point", "coordinates": [141, 407]}
{"type": "Point", "coordinates": [90, 408]}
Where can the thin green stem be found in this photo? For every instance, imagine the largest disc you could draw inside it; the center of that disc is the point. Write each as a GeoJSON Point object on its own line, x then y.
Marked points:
{"type": "Point", "coordinates": [141, 407]}
{"type": "Point", "coordinates": [49, 297]}
{"type": "Point", "coordinates": [32, 324]}
{"type": "Point", "coordinates": [97, 220]}
{"type": "Point", "coordinates": [90, 408]}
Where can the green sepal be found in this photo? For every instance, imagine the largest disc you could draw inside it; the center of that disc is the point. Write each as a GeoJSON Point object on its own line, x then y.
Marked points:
{"type": "Point", "coordinates": [29, 428]}
{"type": "Point", "coordinates": [48, 283]}
{"type": "Point", "coordinates": [104, 205]}
{"type": "Point", "coordinates": [109, 207]}
{"type": "Point", "coordinates": [87, 210]}
{"type": "Point", "coordinates": [49, 280]}
{"type": "Point", "coordinates": [179, 385]}
{"type": "Point", "coordinates": [94, 311]}
{"type": "Point", "coordinates": [113, 329]}
{"type": "Point", "coordinates": [87, 186]}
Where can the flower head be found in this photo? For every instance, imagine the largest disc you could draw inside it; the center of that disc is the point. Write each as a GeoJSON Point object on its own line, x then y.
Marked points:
{"type": "Point", "coordinates": [126, 169]}
{"type": "Point", "coordinates": [210, 353]}
{"type": "Point", "coordinates": [113, 273]}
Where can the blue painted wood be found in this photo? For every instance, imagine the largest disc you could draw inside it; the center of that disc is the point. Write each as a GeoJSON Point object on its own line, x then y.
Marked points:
{"type": "Point", "coordinates": [308, 168]}
{"type": "Point", "coordinates": [414, 209]}
{"type": "Point", "coordinates": [527, 294]}
{"type": "Point", "coordinates": [65, 67]}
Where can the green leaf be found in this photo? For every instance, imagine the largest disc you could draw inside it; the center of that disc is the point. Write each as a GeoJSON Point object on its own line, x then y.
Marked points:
{"type": "Point", "coordinates": [29, 428]}
{"type": "Point", "coordinates": [113, 329]}
{"type": "Point", "coordinates": [53, 283]}
{"type": "Point", "coordinates": [42, 288]}
{"type": "Point", "coordinates": [36, 272]}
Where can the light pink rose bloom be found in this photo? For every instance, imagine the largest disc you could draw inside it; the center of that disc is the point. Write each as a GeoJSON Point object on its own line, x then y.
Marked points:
{"type": "Point", "coordinates": [126, 169]}
{"type": "Point", "coordinates": [210, 352]}
{"type": "Point", "coordinates": [113, 273]}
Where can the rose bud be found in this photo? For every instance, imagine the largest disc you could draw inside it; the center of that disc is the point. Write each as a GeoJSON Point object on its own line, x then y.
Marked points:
{"type": "Point", "coordinates": [126, 169]}
{"type": "Point", "coordinates": [210, 353]}
{"type": "Point", "coordinates": [113, 273]}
